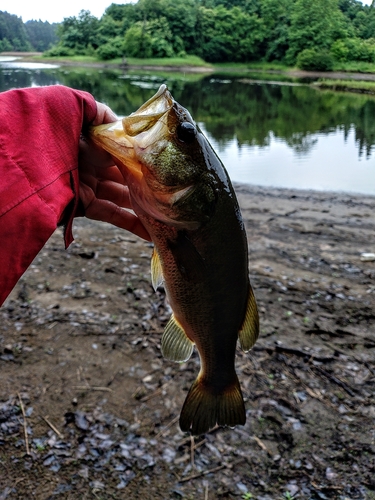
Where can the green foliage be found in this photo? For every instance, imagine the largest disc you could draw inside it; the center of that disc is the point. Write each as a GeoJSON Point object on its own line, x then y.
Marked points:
{"type": "Point", "coordinates": [107, 30]}
{"type": "Point", "coordinates": [112, 49]}
{"type": "Point", "coordinates": [137, 42]}
{"type": "Point", "coordinates": [229, 34]}
{"type": "Point", "coordinates": [247, 496]}
{"type": "Point", "coordinates": [13, 35]}
{"type": "Point", "coordinates": [220, 31]}
{"type": "Point", "coordinates": [42, 35]}
{"type": "Point", "coordinates": [79, 33]}
{"type": "Point", "coordinates": [314, 25]}
{"type": "Point", "coordinates": [58, 51]}
{"type": "Point", "coordinates": [315, 60]}
{"type": "Point", "coordinates": [124, 14]}
{"type": "Point", "coordinates": [277, 18]}
{"type": "Point", "coordinates": [364, 23]}
{"type": "Point", "coordinates": [346, 85]}
{"type": "Point", "coordinates": [354, 49]}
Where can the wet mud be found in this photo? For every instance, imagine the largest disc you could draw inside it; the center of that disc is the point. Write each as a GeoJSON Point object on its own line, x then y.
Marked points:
{"type": "Point", "coordinates": [89, 408]}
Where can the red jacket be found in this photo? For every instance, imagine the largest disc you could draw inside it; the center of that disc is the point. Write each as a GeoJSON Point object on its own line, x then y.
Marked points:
{"type": "Point", "coordinates": [39, 139]}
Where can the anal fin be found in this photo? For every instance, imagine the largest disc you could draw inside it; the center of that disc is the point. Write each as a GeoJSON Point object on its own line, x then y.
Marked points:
{"type": "Point", "coordinates": [175, 344]}
{"type": "Point", "coordinates": [249, 332]}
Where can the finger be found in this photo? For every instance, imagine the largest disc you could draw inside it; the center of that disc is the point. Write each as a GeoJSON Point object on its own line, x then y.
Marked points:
{"type": "Point", "coordinates": [91, 154]}
{"type": "Point", "coordinates": [105, 190]}
{"type": "Point", "coordinates": [106, 211]}
{"type": "Point", "coordinates": [104, 114]}
{"type": "Point", "coordinates": [113, 174]}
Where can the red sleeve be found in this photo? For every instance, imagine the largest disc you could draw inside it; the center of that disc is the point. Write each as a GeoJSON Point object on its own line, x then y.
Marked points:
{"type": "Point", "coordinates": [39, 140]}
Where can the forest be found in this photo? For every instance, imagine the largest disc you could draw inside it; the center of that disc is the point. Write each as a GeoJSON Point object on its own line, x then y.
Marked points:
{"type": "Point", "coordinates": [311, 35]}
{"type": "Point", "coordinates": [15, 35]}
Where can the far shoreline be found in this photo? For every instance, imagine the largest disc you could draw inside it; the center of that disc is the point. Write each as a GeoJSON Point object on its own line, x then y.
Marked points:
{"type": "Point", "coordinates": [187, 68]}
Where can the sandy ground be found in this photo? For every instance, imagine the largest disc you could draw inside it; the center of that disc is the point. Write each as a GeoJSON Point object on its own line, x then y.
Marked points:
{"type": "Point", "coordinates": [83, 379]}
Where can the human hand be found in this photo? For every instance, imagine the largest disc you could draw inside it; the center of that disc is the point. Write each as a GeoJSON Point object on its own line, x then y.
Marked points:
{"type": "Point", "coordinates": [101, 184]}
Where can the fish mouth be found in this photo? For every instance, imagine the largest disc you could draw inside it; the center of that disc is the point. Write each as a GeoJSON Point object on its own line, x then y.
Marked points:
{"type": "Point", "coordinates": [148, 126]}
{"type": "Point", "coordinates": [150, 114]}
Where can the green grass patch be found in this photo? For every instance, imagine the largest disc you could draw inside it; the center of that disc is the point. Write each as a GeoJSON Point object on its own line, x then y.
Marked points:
{"type": "Point", "coordinates": [185, 76]}
{"type": "Point", "coordinates": [75, 59]}
{"type": "Point", "coordinates": [347, 85]}
{"type": "Point", "coordinates": [354, 67]}
{"type": "Point", "coordinates": [252, 66]}
{"type": "Point", "coordinates": [169, 61]}
{"type": "Point", "coordinates": [166, 61]}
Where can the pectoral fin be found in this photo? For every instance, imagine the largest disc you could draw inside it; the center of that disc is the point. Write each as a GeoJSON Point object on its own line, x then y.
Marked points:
{"type": "Point", "coordinates": [175, 345]}
{"type": "Point", "coordinates": [156, 270]}
{"type": "Point", "coordinates": [250, 329]}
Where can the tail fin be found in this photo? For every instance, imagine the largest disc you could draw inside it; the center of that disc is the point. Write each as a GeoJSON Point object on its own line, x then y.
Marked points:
{"type": "Point", "coordinates": [204, 408]}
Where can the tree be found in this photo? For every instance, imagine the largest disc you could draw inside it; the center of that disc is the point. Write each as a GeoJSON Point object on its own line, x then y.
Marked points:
{"type": "Point", "coordinates": [13, 34]}
{"type": "Point", "coordinates": [79, 33]}
{"type": "Point", "coordinates": [314, 24]}
{"type": "Point", "coordinates": [276, 16]}
{"type": "Point", "coordinates": [229, 35]}
{"type": "Point", "coordinates": [137, 43]}
{"type": "Point", "coordinates": [42, 35]}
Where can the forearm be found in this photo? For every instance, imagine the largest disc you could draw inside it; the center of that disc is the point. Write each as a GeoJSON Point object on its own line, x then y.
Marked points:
{"type": "Point", "coordinates": [39, 143]}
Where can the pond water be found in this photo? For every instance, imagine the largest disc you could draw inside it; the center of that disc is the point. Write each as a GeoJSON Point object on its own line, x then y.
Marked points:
{"type": "Point", "coordinates": [267, 132]}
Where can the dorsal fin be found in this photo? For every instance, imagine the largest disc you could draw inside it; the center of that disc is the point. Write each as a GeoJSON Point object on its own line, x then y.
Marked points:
{"type": "Point", "coordinates": [175, 344]}
{"type": "Point", "coordinates": [156, 270]}
{"type": "Point", "coordinates": [250, 328]}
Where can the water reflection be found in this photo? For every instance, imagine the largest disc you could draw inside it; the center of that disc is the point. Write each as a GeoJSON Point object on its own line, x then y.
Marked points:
{"type": "Point", "coordinates": [288, 135]}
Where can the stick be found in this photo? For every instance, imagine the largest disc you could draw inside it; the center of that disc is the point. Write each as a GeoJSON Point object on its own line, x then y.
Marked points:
{"type": "Point", "coordinates": [92, 388]}
{"type": "Point", "coordinates": [262, 445]}
{"type": "Point", "coordinates": [52, 427]}
{"type": "Point", "coordinates": [192, 451]}
{"type": "Point", "coordinates": [336, 380]}
{"type": "Point", "coordinates": [209, 471]}
{"type": "Point", "coordinates": [203, 473]}
{"type": "Point", "coordinates": [24, 425]}
{"type": "Point", "coordinates": [161, 433]}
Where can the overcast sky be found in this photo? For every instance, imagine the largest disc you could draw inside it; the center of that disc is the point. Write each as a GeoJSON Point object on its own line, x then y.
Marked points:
{"type": "Point", "coordinates": [55, 11]}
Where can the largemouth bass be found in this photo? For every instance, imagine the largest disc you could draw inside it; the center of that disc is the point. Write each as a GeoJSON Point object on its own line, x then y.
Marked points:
{"type": "Point", "coordinates": [182, 194]}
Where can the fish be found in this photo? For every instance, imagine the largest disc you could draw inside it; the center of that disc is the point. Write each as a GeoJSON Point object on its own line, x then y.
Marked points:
{"type": "Point", "coordinates": [182, 194]}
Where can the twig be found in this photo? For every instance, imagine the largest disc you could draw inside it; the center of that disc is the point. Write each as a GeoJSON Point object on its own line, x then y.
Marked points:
{"type": "Point", "coordinates": [203, 473]}
{"type": "Point", "coordinates": [313, 394]}
{"type": "Point", "coordinates": [92, 388]}
{"type": "Point", "coordinates": [334, 347]}
{"type": "Point", "coordinates": [262, 445]}
{"type": "Point", "coordinates": [192, 452]}
{"type": "Point", "coordinates": [303, 354]}
{"type": "Point", "coordinates": [206, 492]}
{"type": "Point", "coordinates": [24, 425]}
{"type": "Point", "coordinates": [154, 394]}
{"type": "Point", "coordinates": [161, 433]}
{"type": "Point", "coordinates": [210, 471]}
{"type": "Point", "coordinates": [336, 380]}
{"type": "Point", "coordinates": [52, 427]}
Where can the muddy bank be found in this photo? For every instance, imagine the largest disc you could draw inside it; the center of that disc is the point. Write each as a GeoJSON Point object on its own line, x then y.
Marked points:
{"type": "Point", "coordinates": [83, 379]}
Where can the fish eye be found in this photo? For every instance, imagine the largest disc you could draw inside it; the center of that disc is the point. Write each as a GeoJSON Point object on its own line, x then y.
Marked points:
{"type": "Point", "coordinates": [186, 132]}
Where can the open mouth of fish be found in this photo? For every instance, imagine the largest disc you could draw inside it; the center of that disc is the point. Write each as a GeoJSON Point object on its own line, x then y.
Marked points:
{"type": "Point", "coordinates": [147, 131]}
{"type": "Point", "coordinates": [140, 130]}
